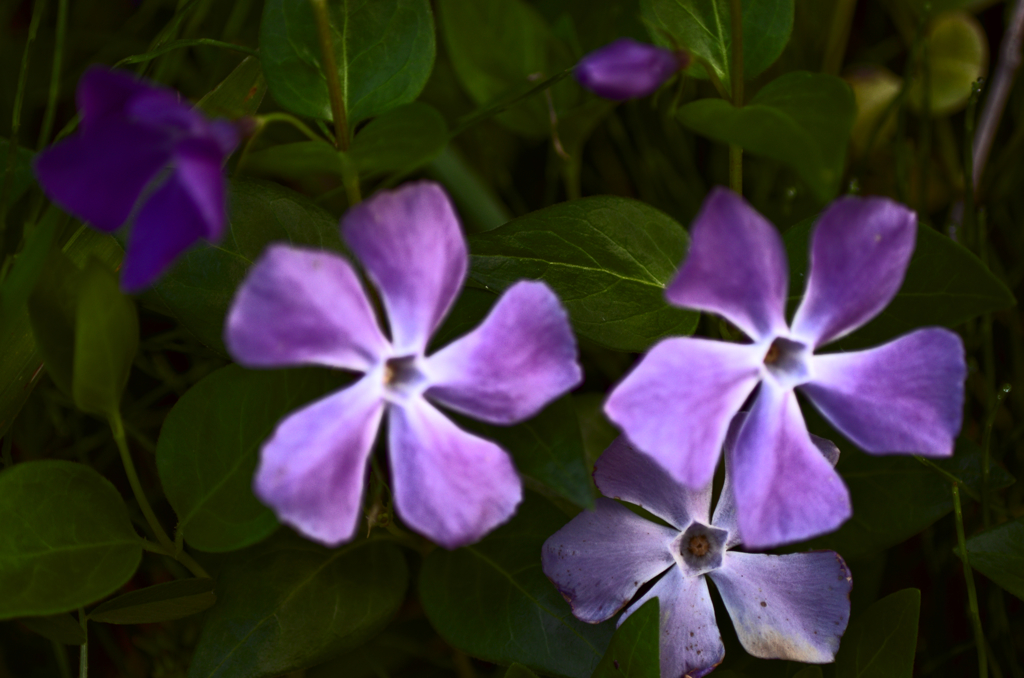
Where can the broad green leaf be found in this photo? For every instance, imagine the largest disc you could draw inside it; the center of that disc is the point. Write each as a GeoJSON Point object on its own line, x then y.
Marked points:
{"type": "Point", "coordinates": [66, 541]}
{"type": "Point", "coordinates": [62, 628]}
{"type": "Point", "coordinates": [476, 201]}
{"type": "Point", "coordinates": [399, 141]}
{"type": "Point", "coordinates": [209, 446]}
{"type": "Point", "coordinates": [608, 258]}
{"type": "Point", "coordinates": [162, 602]}
{"type": "Point", "coordinates": [881, 643]}
{"type": "Point", "coordinates": [957, 52]}
{"type": "Point", "coordinates": [998, 554]}
{"type": "Point", "coordinates": [294, 161]}
{"type": "Point", "coordinates": [22, 177]}
{"type": "Point", "coordinates": [200, 287]}
{"type": "Point", "coordinates": [519, 671]}
{"type": "Point", "coordinates": [53, 309]}
{"type": "Point", "coordinates": [289, 604]}
{"type": "Point", "coordinates": [238, 95]}
{"type": "Point", "coordinates": [492, 601]}
{"type": "Point", "coordinates": [800, 119]}
{"type": "Point", "coordinates": [704, 28]}
{"type": "Point", "coordinates": [28, 265]}
{"type": "Point", "coordinates": [635, 650]}
{"type": "Point", "coordinates": [384, 52]}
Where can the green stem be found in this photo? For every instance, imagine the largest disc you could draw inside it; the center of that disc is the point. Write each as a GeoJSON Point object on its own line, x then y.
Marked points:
{"type": "Point", "coordinates": [58, 57]}
{"type": "Point", "coordinates": [334, 88]}
{"type": "Point", "coordinates": [61, 655]}
{"type": "Point", "coordinates": [494, 109]}
{"type": "Point", "coordinates": [986, 445]}
{"type": "Point", "coordinates": [736, 74]}
{"type": "Point", "coordinates": [972, 596]}
{"type": "Point", "coordinates": [968, 151]}
{"type": "Point", "coordinates": [179, 44]}
{"type": "Point", "coordinates": [83, 660]}
{"type": "Point", "coordinates": [838, 35]}
{"type": "Point", "coordinates": [350, 180]}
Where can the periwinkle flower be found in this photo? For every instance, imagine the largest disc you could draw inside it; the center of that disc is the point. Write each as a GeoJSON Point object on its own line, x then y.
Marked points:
{"type": "Point", "coordinates": [627, 69]}
{"type": "Point", "coordinates": [903, 397]}
{"type": "Point", "coordinates": [793, 606]}
{"type": "Point", "coordinates": [141, 154]}
{"type": "Point", "coordinates": [301, 306]}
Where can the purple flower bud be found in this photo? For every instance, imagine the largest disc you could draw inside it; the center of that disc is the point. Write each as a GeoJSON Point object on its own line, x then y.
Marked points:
{"type": "Point", "coordinates": [627, 69]}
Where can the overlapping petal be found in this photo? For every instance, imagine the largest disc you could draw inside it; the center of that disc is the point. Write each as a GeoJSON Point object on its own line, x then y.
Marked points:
{"type": "Point", "coordinates": [736, 267]}
{"type": "Point", "coordinates": [905, 396]}
{"type": "Point", "coordinates": [197, 167]}
{"type": "Point", "coordinates": [312, 470]}
{"type": "Point", "coordinates": [859, 254]}
{"type": "Point", "coordinates": [676, 404]}
{"type": "Point", "coordinates": [410, 243]}
{"type": "Point", "coordinates": [103, 93]}
{"type": "Point", "coordinates": [792, 607]}
{"type": "Point", "coordinates": [448, 484]}
{"type": "Point", "coordinates": [302, 306]}
{"type": "Point", "coordinates": [519, 359]}
{"type": "Point", "coordinates": [627, 69]}
{"type": "Point", "coordinates": [601, 558]}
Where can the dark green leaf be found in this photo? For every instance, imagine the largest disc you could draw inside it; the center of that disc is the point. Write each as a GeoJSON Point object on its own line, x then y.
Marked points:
{"type": "Point", "coordinates": [998, 554]}
{"type": "Point", "coordinates": [66, 539]}
{"type": "Point", "coordinates": [28, 265]}
{"type": "Point", "coordinates": [492, 600]}
{"type": "Point", "coordinates": [519, 671]}
{"type": "Point", "coordinates": [240, 94]}
{"type": "Point", "coordinates": [801, 119]}
{"type": "Point", "coordinates": [289, 604]}
{"type": "Point", "coordinates": [608, 258]}
{"type": "Point", "coordinates": [881, 642]}
{"type": "Point", "coordinates": [163, 602]}
{"type": "Point", "coordinates": [294, 161]}
{"type": "Point", "coordinates": [384, 52]}
{"type": "Point", "coordinates": [208, 449]}
{"type": "Point", "coordinates": [52, 309]}
{"type": "Point", "coordinates": [635, 650]}
{"type": "Point", "coordinates": [399, 141]}
{"type": "Point", "coordinates": [62, 628]}
{"type": "Point", "coordinates": [22, 176]}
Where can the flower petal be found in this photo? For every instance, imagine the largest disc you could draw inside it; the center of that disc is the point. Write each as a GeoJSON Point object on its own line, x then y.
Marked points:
{"type": "Point", "coordinates": [519, 359]}
{"type": "Point", "coordinates": [691, 645]}
{"type": "Point", "coordinates": [677, 403]}
{"type": "Point", "coordinates": [104, 93]}
{"type": "Point", "coordinates": [785, 490]}
{"type": "Point", "coordinates": [302, 306]}
{"type": "Point", "coordinates": [792, 607]}
{"type": "Point", "coordinates": [905, 396]}
{"type": "Point", "coordinates": [449, 485]}
{"type": "Point", "coordinates": [601, 558]}
{"type": "Point", "coordinates": [859, 254]}
{"type": "Point", "coordinates": [627, 69]}
{"type": "Point", "coordinates": [312, 469]}
{"type": "Point", "coordinates": [198, 168]}
{"type": "Point", "coordinates": [410, 243]}
{"type": "Point", "coordinates": [623, 472]}
{"type": "Point", "coordinates": [736, 267]}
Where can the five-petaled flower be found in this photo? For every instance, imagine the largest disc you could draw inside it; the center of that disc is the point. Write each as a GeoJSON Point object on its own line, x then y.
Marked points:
{"type": "Point", "coordinates": [141, 152]}
{"type": "Point", "coordinates": [792, 606]}
{"type": "Point", "coordinates": [300, 306]}
{"type": "Point", "coordinates": [627, 69]}
{"type": "Point", "coordinates": [903, 397]}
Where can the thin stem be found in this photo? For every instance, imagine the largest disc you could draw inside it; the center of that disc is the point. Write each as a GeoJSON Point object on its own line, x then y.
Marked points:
{"type": "Point", "coordinates": [334, 88]}
{"type": "Point", "coordinates": [61, 655]}
{"type": "Point", "coordinates": [58, 57]}
{"type": "Point", "coordinates": [83, 659]}
{"type": "Point", "coordinates": [986, 444]}
{"type": "Point", "coordinates": [493, 109]}
{"type": "Point", "coordinates": [179, 44]}
{"type": "Point", "coordinates": [838, 35]}
{"type": "Point", "coordinates": [972, 596]}
{"type": "Point", "coordinates": [350, 180]}
{"type": "Point", "coordinates": [968, 220]}
{"type": "Point", "coordinates": [736, 75]}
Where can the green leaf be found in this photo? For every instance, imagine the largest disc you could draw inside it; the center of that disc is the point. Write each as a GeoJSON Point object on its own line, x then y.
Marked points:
{"type": "Point", "coordinates": [399, 141]}
{"type": "Point", "coordinates": [957, 52]}
{"type": "Point", "coordinates": [209, 445]}
{"type": "Point", "coordinates": [800, 119]}
{"type": "Point", "coordinates": [881, 642]}
{"type": "Point", "coordinates": [635, 650]}
{"type": "Point", "coordinates": [519, 671]}
{"type": "Point", "coordinates": [608, 258]}
{"type": "Point", "coordinates": [162, 602]}
{"type": "Point", "coordinates": [22, 177]}
{"type": "Point", "coordinates": [492, 601]}
{"type": "Point", "coordinates": [704, 28]}
{"type": "Point", "coordinates": [238, 95]}
{"type": "Point", "coordinates": [62, 628]}
{"type": "Point", "coordinates": [66, 542]}
{"type": "Point", "coordinates": [52, 309]}
{"type": "Point", "coordinates": [289, 604]}
{"type": "Point", "coordinates": [200, 287]}
{"type": "Point", "coordinates": [998, 554]}
{"type": "Point", "coordinates": [384, 52]}
{"type": "Point", "coordinates": [28, 265]}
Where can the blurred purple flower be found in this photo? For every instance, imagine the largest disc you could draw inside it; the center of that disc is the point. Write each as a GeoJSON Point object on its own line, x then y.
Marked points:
{"type": "Point", "coordinates": [301, 306]}
{"type": "Point", "coordinates": [627, 69]}
{"type": "Point", "coordinates": [903, 397]}
{"type": "Point", "coordinates": [143, 154]}
{"type": "Point", "coordinates": [793, 606]}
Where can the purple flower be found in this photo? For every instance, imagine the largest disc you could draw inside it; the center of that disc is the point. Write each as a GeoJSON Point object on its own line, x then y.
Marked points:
{"type": "Point", "coordinates": [301, 306]}
{"type": "Point", "coordinates": [793, 606]}
{"type": "Point", "coordinates": [903, 397]}
{"type": "Point", "coordinates": [627, 69]}
{"type": "Point", "coordinates": [141, 153]}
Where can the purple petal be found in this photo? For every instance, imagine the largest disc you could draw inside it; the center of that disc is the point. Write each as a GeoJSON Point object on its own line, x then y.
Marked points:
{"type": "Point", "coordinates": [198, 168]}
{"type": "Point", "coordinates": [905, 396]}
{"type": "Point", "coordinates": [785, 490]}
{"type": "Point", "coordinates": [601, 558]}
{"type": "Point", "coordinates": [627, 69]}
{"type": "Point", "coordinates": [691, 645]}
{"type": "Point", "coordinates": [104, 93]}
{"type": "Point", "coordinates": [677, 403]}
{"type": "Point", "coordinates": [520, 358]}
{"type": "Point", "coordinates": [409, 242]}
{"type": "Point", "coordinates": [736, 267]}
{"type": "Point", "coordinates": [625, 473]}
{"type": "Point", "coordinates": [302, 306]}
{"type": "Point", "coordinates": [449, 485]}
{"type": "Point", "coordinates": [312, 470]}
{"type": "Point", "coordinates": [859, 254]}
{"type": "Point", "coordinates": [792, 607]}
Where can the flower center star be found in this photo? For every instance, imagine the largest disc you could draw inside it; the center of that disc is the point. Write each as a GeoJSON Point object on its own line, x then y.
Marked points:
{"type": "Point", "coordinates": [699, 549]}
{"type": "Point", "coordinates": [786, 362]}
{"type": "Point", "coordinates": [699, 546]}
{"type": "Point", "coordinates": [402, 377]}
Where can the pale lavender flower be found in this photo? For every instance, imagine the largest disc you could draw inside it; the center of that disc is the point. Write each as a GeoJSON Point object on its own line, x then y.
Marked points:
{"type": "Point", "coordinates": [792, 606]}
{"type": "Point", "coordinates": [627, 69]}
{"type": "Point", "coordinates": [307, 307]}
{"type": "Point", "coordinates": [903, 397]}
